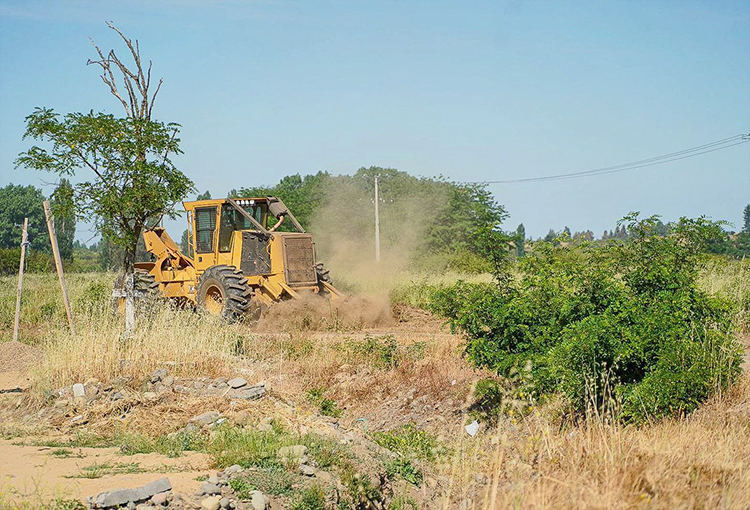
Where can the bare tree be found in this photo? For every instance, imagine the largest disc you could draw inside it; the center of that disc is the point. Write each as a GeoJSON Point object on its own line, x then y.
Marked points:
{"type": "Point", "coordinates": [136, 83]}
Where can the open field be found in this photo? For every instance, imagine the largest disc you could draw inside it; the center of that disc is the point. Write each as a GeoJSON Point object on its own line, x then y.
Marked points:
{"type": "Point", "coordinates": [380, 400]}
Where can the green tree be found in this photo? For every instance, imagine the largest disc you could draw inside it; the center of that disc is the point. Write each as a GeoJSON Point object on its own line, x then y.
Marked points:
{"type": "Point", "coordinates": [19, 202]}
{"type": "Point", "coordinates": [746, 218]}
{"type": "Point", "coordinates": [520, 241]}
{"type": "Point", "coordinates": [131, 177]}
{"type": "Point", "coordinates": [65, 218]}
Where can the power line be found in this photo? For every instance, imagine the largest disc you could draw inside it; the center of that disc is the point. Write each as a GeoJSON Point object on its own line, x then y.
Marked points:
{"type": "Point", "coordinates": [633, 165]}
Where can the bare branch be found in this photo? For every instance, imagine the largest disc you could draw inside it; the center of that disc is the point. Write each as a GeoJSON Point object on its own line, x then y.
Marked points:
{"type": "Point", "coordinates": [136, 83]}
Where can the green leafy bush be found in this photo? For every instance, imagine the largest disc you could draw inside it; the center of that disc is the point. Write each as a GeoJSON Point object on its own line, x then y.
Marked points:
{"type": "Point", "coordinates": [621, 328]}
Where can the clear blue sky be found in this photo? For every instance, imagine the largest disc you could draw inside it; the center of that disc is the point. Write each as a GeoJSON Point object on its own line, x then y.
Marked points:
{"type": "Point", "coordinates": [467, 90]}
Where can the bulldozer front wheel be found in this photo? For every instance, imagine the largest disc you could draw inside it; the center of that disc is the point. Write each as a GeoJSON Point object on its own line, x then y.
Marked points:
{"type": "Point", "coordinates": [145, 288]}
{"type": "Point", "coordinates": [224, 292]}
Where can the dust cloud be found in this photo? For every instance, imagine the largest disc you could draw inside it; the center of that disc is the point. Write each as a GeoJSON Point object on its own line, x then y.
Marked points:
{"type": "Point", "coordinates": [344, 232]}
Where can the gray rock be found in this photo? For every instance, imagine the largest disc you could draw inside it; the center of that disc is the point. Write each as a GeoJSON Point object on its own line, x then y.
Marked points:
{"type": "Point", "coordinates": [213, 479]}
{"type": "Point", "coordinates": [144, 506]}
{"type": "Point", "coordinates": [130, 505]}
{"type": "Point", "coordinates": [79, 390]}
{"type": "Point", "coordinates": [249, 392]}
{"type": "Point", "coordinates": [210, 488]}
{"type": "Point", "coordinates": [235, 468]}
{"type": "Point", "coordinates": [159, 375]}
{"type": "Point", "coordinates": [125, 496]}
{"type": "Point", "coordinates": [116, 396]}
{"type": "Point", "coordinates": [306, 470]}
{"type": "Point", "coordinates": [237, 382]}
{"type": "Point", "coordinates": [224, 502]}
{"type": "Point", "coordinates": [210, 503]}
{"type": "Point", "coordinates": [160, 499]}
{"type": "Point", "coordinates": [149, 395]}
{"type": "Point", "coordinates": [168, 381]}
{"type": "Point", "coordinates": [199, 385]}
{"type": "Point", "coordinates": [206, 418]}
{"type": "Point", "coordinates": [265, 424]}
{"type": "Point", "coordinates": [220, 380]}
{"type": "Point", "coordinates": [258, 501]}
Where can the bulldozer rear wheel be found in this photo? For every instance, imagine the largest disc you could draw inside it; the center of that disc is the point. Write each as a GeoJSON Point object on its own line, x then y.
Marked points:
{"type": "Point", "coordinates": [223, 291]}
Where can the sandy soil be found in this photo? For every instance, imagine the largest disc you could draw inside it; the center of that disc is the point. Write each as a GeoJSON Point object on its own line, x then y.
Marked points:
{"type": "Point", "coordinates": [31, 472]}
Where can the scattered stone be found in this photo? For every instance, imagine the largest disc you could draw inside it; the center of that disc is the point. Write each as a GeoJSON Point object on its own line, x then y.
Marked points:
{"type": "Point", "coordinates": [210, 488]}
{"type": "Point", "coordinates": [258, 501]}
{"type": "Point", "coordinates": [127, 496]}
{"type": "Point", "coordinates": [296, 453]}
{"type": "Point", "coordinates": [160, 499]}
{"type": "Point", "coordinates": [249, 393]}
{"type": "Point", "coordinates": [116, 396]}
{"type": "Point", "coordinates": [144, 506]}
{"type": "Point", "coordinates": [206, 418]}
{"type": "Point", "coordinates": [224, 503]}
{"type": "Point", "coordinates": [211, 503]}
{"type": "Point", "coordinates": [237, 382]}
{"type": "Point", "coordinates": [233, 469]}
{"type": "Point", "coordinates": [265, 424]}
{"type": "Point", "coordinates": [158, 375]}
{"type": "Point", "coordinates": [214, 479]}
{"type": "Point", "coordinates": [199, 385]}
{"type": "Point", "coordinates": [79, 390]}
{"type": "Point", "coordinates": [168, 381]}
{"type": "Point", "coordinates": [307, 470]}
{"type": "Point", "coordinates": [149, 395]}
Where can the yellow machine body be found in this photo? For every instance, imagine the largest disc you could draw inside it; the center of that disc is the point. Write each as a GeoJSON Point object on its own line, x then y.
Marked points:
{"type": "Point", "coordinates": [235, 233]}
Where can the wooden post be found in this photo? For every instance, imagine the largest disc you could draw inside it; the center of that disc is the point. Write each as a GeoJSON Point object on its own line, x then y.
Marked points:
{"type": "Point", "coordinates": [58, 262]}
{"type": "Point", "coordinates": [24, 242]}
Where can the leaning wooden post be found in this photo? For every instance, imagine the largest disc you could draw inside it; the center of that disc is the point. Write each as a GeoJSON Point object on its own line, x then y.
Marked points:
{"type": "Point", "coordinates": [58, 262]}
{"type": "Point", "coordinates": [24, 242]}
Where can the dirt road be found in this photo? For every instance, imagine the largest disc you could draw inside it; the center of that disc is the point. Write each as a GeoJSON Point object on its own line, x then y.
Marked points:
{"type": "Point", "coordinates": [39, 472]}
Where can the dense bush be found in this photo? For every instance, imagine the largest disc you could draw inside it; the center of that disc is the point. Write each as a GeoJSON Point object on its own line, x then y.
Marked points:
{"type": "Point", "coordinates": [621, 328]}
{"type": "Point", "coordinates": [36, 261]}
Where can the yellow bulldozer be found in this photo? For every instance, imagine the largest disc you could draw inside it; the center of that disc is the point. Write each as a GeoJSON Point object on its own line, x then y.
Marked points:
{"type": "Point", "coordinates": [239, 262]}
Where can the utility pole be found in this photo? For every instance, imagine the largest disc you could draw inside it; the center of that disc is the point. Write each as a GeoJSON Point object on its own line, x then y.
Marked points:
{"type": "Point", "coordinates": [58, 262]}
{"type": "Point", "coordinates": [377, 221]}
{"type": "Point", "coordinates": [24, 242]}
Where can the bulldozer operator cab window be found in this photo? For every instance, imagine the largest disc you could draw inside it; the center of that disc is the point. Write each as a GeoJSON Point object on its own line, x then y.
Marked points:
{"type": "Point", "coordinates": [232, 220]}
{"type": "Point", "coordinates": [205, 225]}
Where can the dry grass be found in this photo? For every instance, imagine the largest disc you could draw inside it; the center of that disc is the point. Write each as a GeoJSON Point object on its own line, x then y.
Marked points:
{"type": "Point", "coordinates": [695, 462]}
{"type": "Point", "coordinates": [179, 340]}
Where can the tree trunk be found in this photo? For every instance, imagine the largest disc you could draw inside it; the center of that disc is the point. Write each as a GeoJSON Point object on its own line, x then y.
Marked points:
{"type": "Point", "coordinates": [128, 267]}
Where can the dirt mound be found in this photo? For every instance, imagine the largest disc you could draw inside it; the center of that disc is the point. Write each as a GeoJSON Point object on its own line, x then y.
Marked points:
{"type": "Point", "coordinates": [15, 356]}
{"type": "Point", "coordinates": [416, 319]}
{"type": "Point", "coordinates": [316, 313]}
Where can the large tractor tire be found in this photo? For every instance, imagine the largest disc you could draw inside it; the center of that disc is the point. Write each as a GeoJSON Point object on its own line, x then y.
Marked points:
{"type": "Point", "coordinates": [145, 288]}
{"type": "Point", "coordinates": [223, 291]}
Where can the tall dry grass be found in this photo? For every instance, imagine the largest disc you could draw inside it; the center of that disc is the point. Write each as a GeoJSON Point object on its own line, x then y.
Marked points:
{"type": "Point", "coordinates": [698, 462]}
{"type": "Point", "coordinates": [182, 341]}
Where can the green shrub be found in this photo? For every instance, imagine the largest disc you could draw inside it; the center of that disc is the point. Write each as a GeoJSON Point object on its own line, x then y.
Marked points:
{"type": "Point", "coordinates": [312, 498]}
{"type": "Point", "coordinates": [36, 261]}
{"type": "Point", "coordinates": [621, 328]}
{"type": "Point", "coordinates": [409, 441]}
{"type": "Point", "coordinates": [326, 406]}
